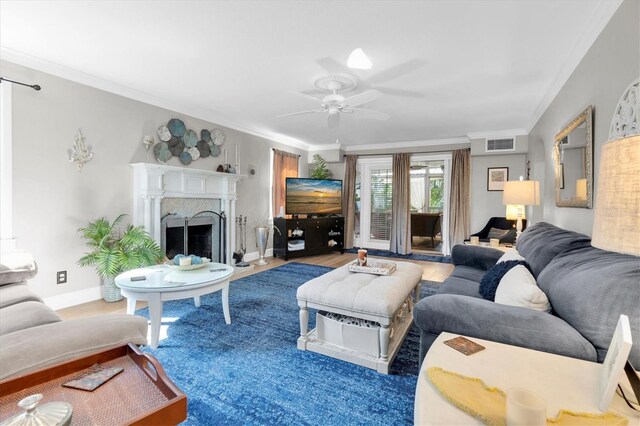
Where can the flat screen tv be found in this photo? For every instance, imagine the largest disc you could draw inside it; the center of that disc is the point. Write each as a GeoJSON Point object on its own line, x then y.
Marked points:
{"type": "Point", "coordinates": [313, 196]}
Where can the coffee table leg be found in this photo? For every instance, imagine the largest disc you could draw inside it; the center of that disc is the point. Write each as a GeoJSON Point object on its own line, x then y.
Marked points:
{"type": "Point", "coordinates": [131, 305]}
{"type": "Point", "coordinates": [196, 301]}
{"type": "Point", "coordinates": [155, 312]}
{"type": "Point", "coordinates": [225, 304]}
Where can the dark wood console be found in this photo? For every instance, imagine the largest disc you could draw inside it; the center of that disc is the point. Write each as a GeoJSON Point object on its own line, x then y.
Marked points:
{"type": "Point", "coordinates": [306, 237]}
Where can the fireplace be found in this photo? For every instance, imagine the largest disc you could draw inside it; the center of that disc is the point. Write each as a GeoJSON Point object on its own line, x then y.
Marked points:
{"type": "Point", "coordinates": [202, 234]}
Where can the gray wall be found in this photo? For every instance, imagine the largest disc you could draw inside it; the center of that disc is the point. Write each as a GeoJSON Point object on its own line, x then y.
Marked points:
{"type": "Point", "coordinates": [51, 199]}
{"type": "Point", "coordinates": [486, 204]}
{"type": "Point", "coordinates": [609, 66]}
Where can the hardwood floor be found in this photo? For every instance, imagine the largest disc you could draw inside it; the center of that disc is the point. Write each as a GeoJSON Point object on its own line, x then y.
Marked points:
{"type": "Point", "coordinates": [432, 271]}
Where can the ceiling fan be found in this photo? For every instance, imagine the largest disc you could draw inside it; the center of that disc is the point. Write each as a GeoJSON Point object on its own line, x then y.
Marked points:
{"type": "Point", "coordinates": [334, 104]}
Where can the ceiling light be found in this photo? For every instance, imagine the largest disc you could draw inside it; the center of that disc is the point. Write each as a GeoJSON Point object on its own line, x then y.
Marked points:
{"type": "Point", "coordinates": [359, 60]}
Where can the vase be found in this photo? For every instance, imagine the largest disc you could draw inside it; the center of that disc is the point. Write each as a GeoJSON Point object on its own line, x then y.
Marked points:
{"type": "Point", "coordinates": [110, 291]}
{"type": "Point", "coordinates": [262, 237]}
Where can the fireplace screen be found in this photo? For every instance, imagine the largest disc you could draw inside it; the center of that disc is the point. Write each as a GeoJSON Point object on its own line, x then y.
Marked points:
{"type": "Point", "coordinates": [202, 234]}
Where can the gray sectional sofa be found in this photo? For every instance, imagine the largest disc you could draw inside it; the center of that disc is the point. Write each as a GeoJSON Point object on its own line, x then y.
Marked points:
{"type": "Point", "coordinates": [588, 289]}
{"type": "Point", "coordinates": [32, 336]}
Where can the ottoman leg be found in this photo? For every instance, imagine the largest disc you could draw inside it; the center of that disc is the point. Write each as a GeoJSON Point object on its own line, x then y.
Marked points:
{"type": "Point", "coordinates": [304, 323]}
{"type": "Point", "coordinates": [385, 333]}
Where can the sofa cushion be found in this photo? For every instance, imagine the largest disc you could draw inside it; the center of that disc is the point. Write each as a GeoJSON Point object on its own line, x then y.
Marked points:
{"type": "Point", "coordinates": [468, 273]}
{"type": "Point", "coordinates": [16, 267]}
{"type": "Point", "coordinates": [49, 344]}
{"type": "Point", "coordinates": [460, 286]}
{"type": "Point", "coordinates": [11, 294]}
{"type": "Point", "coordinates": [25, 315]}
{"type": "Point", "coordinates": [518, 288]}
{"type": "Point", "coordinates": [590, 288]}
{"type": "Point", "coordinates": [541, 242]}
{"type": "Point", "coordinates": [476, 317]}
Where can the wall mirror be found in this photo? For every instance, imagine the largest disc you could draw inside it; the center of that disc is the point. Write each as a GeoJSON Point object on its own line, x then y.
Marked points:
{"type": "Point", "coordinates": [573, 155]}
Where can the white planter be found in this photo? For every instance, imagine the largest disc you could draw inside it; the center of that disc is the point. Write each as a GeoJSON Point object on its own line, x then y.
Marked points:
{"type": "Point", "coordinates": [365, 340]}
{"type": "Point", "coordinates": [110, 292]}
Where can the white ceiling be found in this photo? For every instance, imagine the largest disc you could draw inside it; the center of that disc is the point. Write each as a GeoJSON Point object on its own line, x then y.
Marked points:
{"type": "Point", "coordinates": [476, 66]}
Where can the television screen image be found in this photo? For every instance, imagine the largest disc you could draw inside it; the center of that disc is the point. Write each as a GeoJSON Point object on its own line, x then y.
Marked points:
{"type": "Point", "coordinates": [313, 196]}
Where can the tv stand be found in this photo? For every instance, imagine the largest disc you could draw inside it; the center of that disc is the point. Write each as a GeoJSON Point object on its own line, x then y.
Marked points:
{"type": "Point", "coordinates": [305, 237]}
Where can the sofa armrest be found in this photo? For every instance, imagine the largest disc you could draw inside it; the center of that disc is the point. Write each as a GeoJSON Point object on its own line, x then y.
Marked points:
{"type": "Point", "coordinates": [511, 325]}
{"type": "Point", "coordinates": [38, 347]}
{"type": "Point", "coordinates": [477, 257]}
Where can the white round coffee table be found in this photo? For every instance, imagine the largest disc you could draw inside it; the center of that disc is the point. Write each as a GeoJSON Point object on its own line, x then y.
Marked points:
{"type": "Point", "coordinates": [158, 283]}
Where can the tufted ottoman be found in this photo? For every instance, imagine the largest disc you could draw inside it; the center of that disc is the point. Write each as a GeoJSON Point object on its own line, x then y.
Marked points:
{"type": "Point", "coordinates": [383, 303]}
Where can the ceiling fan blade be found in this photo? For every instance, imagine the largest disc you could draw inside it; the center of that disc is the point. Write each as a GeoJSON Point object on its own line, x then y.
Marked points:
{"type": "Point", "coordinates": [307, 96]}
{"type": "Point", "coordinates": [300, 113]}
{"type": "Point", "coordinates": [333, 121]}
{"type": "Point", "coordinates": [369, 113]}
{"type": "Point", "coordinates": [331, 65]}
{"type": "Point", "coordinates": [399, 92]}
{"type": "Point", "coordinates": [396, 71]}
{"type": "Point", "coordinates": [362, 98]}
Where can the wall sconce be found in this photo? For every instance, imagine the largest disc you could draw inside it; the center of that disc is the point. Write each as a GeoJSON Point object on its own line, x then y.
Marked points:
{"type": "Point", "coordinates": [80, 154]}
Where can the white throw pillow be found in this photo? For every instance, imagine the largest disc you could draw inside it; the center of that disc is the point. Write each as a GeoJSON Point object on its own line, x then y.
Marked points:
{"type": "Point", "coordinates": [511, 254]}
{"type": "Point", "coordinates": [518, 288]}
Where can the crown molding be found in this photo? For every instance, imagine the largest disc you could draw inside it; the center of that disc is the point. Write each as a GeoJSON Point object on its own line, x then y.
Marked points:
{"type": "Point", "coordinates": [407, 144]}
{"type": "Point", "coordinates": [596, 24]}
{"type": "Point", "coordinates": [495, 134]}
{"type": "Point", "coordinates": [76, 76]}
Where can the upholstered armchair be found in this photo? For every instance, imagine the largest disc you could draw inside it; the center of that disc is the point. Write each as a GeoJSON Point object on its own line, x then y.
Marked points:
{"type": "Point", "coordinates": [500, 223]}
{"type": "Point", "coordinates": [426, 225]}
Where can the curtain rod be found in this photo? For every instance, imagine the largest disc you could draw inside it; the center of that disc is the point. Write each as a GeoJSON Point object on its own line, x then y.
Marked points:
{"type": "Point", "coordinates": [33, 86]}
{"type": "Point", "coordinates": [286, 152]}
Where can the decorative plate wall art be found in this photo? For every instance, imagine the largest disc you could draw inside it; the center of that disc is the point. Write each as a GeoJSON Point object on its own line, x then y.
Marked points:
{"type": "Point", "coordinates": [178, 141]}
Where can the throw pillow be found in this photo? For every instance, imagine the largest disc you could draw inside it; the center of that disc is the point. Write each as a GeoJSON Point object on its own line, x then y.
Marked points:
{"type": "Point", "coordinates": [492, 277]}
{"type": "Point", "coordinates": [497, 233]}
{"type": "Point", "coordinates": [518, 288]}
{"type": "Point", "coordinates": [511, 254]}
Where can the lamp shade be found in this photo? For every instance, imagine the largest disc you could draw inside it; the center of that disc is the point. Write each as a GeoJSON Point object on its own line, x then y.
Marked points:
{"type": "Point", "coordinates": [521, 192]}
{"type": "Point", "coordinates": [616, 221]}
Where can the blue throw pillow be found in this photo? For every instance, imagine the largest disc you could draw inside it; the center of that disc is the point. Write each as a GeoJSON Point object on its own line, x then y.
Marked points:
{"type": "Point", "coordinates": [492, 277]}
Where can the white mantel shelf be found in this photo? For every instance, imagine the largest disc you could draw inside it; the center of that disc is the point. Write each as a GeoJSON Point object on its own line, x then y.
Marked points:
{"type": "Point", "coordinates": [153, 182]}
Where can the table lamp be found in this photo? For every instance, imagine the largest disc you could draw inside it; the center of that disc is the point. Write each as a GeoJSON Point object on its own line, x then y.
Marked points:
{"type": "Point", "coordinates": [616, 221]}
{"type": "Point", "coordinates": [516, 195]}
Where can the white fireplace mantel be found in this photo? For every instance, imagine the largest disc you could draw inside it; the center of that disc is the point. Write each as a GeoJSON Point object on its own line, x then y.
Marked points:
{"type": "Point", "coordinates": [153, 182]}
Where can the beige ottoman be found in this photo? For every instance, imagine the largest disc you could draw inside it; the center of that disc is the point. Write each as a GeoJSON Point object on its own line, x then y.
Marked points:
{"type": "Point", "coordinates": [383, 304]}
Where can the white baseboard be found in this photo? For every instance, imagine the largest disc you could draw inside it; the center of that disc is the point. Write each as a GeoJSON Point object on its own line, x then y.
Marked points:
{"type": "Point", "coordinates": [254, 255]}
{"type": "Point", "coordinates": [73, 298]}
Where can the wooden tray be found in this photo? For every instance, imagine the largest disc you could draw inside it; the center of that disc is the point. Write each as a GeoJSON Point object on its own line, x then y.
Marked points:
{"type": "Point", "coordinates": [141, 395]}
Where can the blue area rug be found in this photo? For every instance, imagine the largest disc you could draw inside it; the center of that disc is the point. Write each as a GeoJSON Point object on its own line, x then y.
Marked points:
{"type": "Point", "coordinates": [411, 256]}
{"type": "Point", "coordinates": [250, 372]}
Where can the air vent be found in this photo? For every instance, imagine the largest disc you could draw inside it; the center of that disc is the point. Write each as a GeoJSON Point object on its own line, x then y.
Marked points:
{"type": "Point", "coordinates": [507, 144]}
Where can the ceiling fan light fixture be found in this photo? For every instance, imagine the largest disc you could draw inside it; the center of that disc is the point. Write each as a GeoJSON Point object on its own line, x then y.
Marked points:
{"type": "Point", "coordinates": [359, 60]}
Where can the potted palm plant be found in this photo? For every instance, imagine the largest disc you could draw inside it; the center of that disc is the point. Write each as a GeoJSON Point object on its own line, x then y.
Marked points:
{"type": "Point", "coordinates": [114, 250]}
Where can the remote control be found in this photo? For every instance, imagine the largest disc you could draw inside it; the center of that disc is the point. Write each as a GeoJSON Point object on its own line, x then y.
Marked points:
{"type": "Point", "coordinates": [139, 278]}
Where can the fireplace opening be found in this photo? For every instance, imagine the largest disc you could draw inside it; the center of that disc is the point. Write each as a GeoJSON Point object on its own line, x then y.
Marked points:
{"type": "Point", "coordinates": [202, 234]}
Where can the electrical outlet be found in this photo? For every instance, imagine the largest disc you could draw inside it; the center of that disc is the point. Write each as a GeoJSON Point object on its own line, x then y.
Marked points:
{"type": "Point", "coordinates": [61, 277]}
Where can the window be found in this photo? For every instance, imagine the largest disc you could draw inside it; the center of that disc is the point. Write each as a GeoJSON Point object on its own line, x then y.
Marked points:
{"type": "Point", "coordinates": [381, 184]}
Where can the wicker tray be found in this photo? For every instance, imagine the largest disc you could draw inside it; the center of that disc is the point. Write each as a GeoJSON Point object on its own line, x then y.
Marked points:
{"type": "Point", "coordinates": [373, 267]}
{"type": "Point", "coordinates": [141, 395]}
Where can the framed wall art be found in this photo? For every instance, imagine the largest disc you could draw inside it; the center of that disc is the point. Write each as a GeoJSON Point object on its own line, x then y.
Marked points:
{"type": "Point", "coordinates": [496, 177]}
